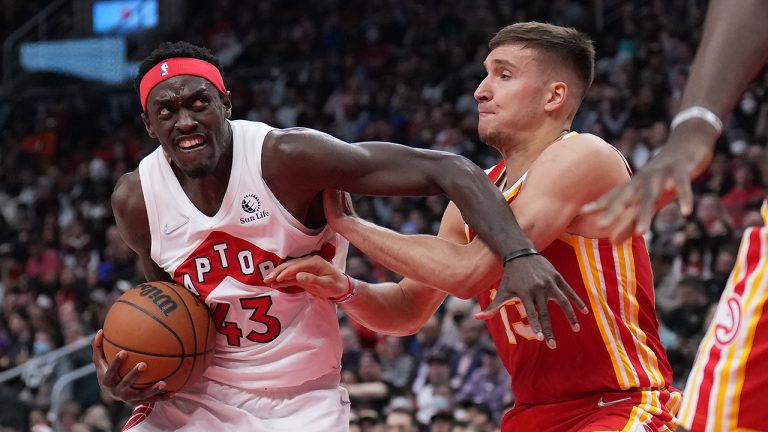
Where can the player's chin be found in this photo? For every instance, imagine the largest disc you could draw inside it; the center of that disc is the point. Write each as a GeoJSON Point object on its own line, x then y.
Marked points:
{"type": "Point", "coordinates": [197, 169]}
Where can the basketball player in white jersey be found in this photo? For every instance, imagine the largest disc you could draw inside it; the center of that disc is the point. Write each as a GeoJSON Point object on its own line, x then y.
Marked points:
{"type": "Point", "coordinates": [220, 203]}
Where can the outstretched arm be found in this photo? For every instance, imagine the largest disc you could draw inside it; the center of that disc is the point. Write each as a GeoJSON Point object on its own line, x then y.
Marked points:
{"type": "Point", "coordinates": [733, 49]}
{"type": "Point", "coordinates": [376, 168]}
{"type": "Point", "coordinates": [391, 308]}
{"type": "Point", "coordinates": [558, 184]}
{"type": "Point", "coordinates": [323, 162]}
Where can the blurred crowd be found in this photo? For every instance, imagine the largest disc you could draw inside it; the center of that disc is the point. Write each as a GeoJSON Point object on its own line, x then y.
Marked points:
{"type": "Point", "coordinates": [390, 70]}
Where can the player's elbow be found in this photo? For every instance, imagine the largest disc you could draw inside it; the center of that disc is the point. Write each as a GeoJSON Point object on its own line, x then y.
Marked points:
{"type": "Point", "coordinates": [403, 328]}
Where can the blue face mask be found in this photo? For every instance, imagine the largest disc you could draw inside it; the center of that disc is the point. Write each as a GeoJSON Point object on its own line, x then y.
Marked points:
{"type": "Point", "coordinates": [440, 403]}
{"type": "Point", "coordinates": [40, 348]}
{"type": "Point", "coordinates": [668, 338]}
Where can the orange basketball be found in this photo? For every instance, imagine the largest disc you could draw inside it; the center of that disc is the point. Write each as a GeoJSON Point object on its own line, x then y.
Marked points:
{"type": "Point", "coordinates": [165, 326]}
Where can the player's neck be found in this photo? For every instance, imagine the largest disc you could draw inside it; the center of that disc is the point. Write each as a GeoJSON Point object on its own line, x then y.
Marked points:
{"type": "Point", "coordinates": [207, 192]}
{"type": "Point", "coordinates": [521, 152]}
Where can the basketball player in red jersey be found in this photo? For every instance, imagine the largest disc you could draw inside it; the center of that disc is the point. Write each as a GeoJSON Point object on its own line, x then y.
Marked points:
{"type": "Point", "coordinates": [205, 211]}
{"type": "Point", "coordinates": [611, 375]}
{"type": "Point", "coordinates": [728, 385]}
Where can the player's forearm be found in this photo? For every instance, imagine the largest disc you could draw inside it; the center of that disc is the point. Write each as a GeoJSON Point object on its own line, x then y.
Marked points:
{"type": "Point", "coordinates": [432, 261]}
{"type": "Point", "coordinates": [482, 206]}
{"type": "Point", "coordinates": [385, 308]}
{"type": "Point", "coordinates": [733, 49]}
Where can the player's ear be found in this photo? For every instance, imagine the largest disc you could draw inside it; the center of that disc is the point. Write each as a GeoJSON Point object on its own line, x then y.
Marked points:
{"type": "Point", "coordinates": [145, 119]}
{"type": "Point", "coordinates": [556, 96]}
{"type": "Point", "coordinates": [226, 101]}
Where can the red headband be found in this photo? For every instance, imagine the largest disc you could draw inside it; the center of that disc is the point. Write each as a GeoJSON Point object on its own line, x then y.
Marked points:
{"type": "Point", "coordinates": [172, 67]}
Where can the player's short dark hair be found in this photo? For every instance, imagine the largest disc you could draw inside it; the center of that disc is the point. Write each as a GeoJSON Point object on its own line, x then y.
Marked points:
{"type": "Point", "coordinates": [566, 45]}
{"type": "Point", "coordinates": [168, 50]}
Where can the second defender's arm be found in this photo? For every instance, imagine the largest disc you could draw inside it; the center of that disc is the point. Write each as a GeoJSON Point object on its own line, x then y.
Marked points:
{"type": "Point", "coordinates": [389, 307]}
{"type": "Point", "coordinates": [733, 49]}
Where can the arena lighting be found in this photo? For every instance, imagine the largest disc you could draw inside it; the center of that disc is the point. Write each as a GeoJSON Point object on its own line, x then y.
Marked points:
{"type": "Point", "coordinates": [99, 59]}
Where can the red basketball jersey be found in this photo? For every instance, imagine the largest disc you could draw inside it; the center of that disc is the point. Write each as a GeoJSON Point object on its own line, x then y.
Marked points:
{"type": "Point", "coordinates": [618, 347]}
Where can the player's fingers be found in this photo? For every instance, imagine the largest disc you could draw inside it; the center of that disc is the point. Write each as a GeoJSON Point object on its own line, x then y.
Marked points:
{"type": "Point", "coordinates": [566, 288]}
{"type": "Point", "coordinates": [349, 207]}
{"type": "Point", "coordinates": [617, 200]}
{"type": "Point", "coordinates": [496, 303]}
{"type": "Point", "coordinates": [111, 376]}
{"type": "Point", "coordinates": [684, 194]}
{"type": "Point", "coordinates": [98, 351]}
{"type": "Point", "coordinates": [540, 303]}
{"type": "Point", "coordinates": [284, 284]}
{"type": "Point", "coordinates": [595, 206]}
{"type": "Point", "coordinates": [289, 269]}
{"type": "Point", "coordinates": [130, 378]}
{"type": "Point", "coordinates": [647, 205]}
{"type": "Point", "coordinates": [624, 227]}
{"type": "Point", "coordinates": [565, 305]}
{"type": "Point", "coordinates": [333, 202]}
{"type": "Point", "coordinates": [533, 316]}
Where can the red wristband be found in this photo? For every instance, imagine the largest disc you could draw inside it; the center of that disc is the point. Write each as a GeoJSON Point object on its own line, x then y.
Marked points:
{"type": "Point", "coordinates": [347, 296]}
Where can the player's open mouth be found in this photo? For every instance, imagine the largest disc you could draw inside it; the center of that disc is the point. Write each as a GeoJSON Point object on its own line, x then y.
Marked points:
{"type": "Point", "coordinates": [191, 142]}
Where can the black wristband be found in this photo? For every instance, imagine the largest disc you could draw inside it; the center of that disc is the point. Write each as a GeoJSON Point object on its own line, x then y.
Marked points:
{"type": "Point", "coordinates": [520, 253]}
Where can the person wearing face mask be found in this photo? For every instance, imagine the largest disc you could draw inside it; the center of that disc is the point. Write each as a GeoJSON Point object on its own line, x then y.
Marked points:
{"type": "Point", "coordinates": [43, 343]}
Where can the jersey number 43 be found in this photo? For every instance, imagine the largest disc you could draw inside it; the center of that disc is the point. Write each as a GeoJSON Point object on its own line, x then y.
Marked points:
{"type": "Point", "coordinates": [260, 306]}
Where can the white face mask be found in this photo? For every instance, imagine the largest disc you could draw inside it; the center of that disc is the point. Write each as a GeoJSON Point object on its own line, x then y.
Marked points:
{"type": "Point", "coordinates": [748, 105]}
{"type": "Point", "coordinates": [738, 147]}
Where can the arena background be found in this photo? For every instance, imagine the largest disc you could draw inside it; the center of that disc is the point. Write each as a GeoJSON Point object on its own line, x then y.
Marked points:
{"type": "Point", "coordinates": [393, 70]}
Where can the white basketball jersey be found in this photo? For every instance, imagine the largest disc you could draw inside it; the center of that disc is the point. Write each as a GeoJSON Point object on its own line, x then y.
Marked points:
{"type": "Point", "coordinates": [266, 338]}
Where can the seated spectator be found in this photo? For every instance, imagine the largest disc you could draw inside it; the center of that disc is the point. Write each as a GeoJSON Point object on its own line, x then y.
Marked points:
{"type": "Point", "coordinates": [489, 384]}
{"type": "Point", "coordinates": [746, 192]}
{"type": "Point", "coordinates": [401, 420]}
{"type": "Point", "coordinates": [369, 391]}
{"type": "Point", "coordinates": [470, 352]}
{"type": "Point", "coordinates": [442, 421]}
{"type": "Point", "coordinates": [398, 366]}
{"type": "Point", "coordinates": [436, 394]}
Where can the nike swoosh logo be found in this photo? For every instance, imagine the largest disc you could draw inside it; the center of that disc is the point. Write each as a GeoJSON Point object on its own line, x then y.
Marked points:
{"type": "Point", "coordinates": [170, 229]}
{"type": "Point", "coordinates": [602, 404]}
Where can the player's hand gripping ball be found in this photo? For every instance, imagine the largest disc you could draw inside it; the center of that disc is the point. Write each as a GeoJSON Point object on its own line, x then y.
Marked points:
{"type": "Point", "coordinates": [165, 326]}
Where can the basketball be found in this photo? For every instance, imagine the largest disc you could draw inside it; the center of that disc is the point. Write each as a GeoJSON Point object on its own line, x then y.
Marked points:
{"type": "Point", "coordinates": [165, 326]}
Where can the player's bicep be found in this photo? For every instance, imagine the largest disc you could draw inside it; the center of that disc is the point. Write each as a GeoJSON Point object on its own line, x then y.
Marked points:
{"type": "Point", "coordinates": [132, 224]}
{"type": "Point", "coordinates": [543, 214]}
{"type": "Point", "coordinates": [371, 168]}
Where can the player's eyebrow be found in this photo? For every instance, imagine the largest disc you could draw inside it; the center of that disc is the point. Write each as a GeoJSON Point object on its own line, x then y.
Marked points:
{"type": "Point", "coordinates": [500, 62]}
{"type": "Point", "coordinates": [166, 98]}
